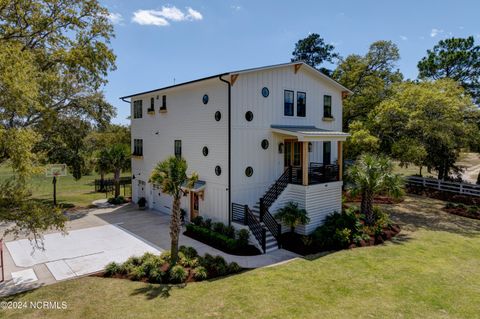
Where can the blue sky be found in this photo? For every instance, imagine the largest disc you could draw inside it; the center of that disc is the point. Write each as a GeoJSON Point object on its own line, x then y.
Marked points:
{"type": "Point", "coordinates": [158, 41]}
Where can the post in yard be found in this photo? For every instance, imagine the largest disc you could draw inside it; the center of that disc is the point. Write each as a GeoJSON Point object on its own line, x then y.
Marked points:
{"type": "Point", "coordinates": [55, 170]}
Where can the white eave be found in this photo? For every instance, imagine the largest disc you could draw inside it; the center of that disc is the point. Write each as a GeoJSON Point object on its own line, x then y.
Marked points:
{"type": "Point", "coordinates": [309, 133]}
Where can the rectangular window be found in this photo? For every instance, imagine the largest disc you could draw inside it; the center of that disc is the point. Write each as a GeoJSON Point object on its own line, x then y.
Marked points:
{"type": "Point", "coordinates": [327, 153]}
{"type": "Point", "coordinates": [138, 147]}
{"type": "Point", "coordinates": [137, 109]}
{"type": "Point", "coordinates": [287, 154]}
{"type": "Point", "coordinates": [178, 148]}
{"type": "Point", "coordinates": [297, 154]}
{"type": "Point", "coordinates": [288, 103]}
{"type": "Point", "coordinates": [301, 104]}
{"type": "Point", "coordinates": [327, 106]}
{"type": "Point", "coordinates": [164, 102]}
{"type": "Point", "coordinates": [152, 105]}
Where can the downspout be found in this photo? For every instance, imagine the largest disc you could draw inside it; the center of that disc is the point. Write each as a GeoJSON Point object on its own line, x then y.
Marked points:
{"type": "Point", "coordinates": [229, 148]}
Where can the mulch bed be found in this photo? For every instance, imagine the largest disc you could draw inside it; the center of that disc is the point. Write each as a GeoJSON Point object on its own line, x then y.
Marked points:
{"type": "Point", "coordinates": [464, 212]}
{"type": "Point", "coordinates": [379, 199]}
{"type": "Point", "coordinates": [294, 242]}
{"type": "Point", "coordinates": [442, 195]}
{"type": "Point", "coordinates": [249, 250]}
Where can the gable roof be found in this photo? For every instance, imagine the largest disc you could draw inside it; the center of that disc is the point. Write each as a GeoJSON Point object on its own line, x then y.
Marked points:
{"type": "Point", "coordinates": [303, 64]}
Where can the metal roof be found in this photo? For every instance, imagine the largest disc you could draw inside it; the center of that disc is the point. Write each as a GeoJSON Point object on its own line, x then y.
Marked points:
{"type": "Point", "coordinates": [199, 185]}
{"type": "Point", "coordinates": [244, 71]}
{"type": "Point", "coordinates": [309, 132]}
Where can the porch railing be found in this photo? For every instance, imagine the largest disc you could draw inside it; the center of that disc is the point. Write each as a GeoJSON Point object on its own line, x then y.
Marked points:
{"type": "Point", "coordinates": [318, 173]}
{"type": "Point", "coordinates": [252, 222]}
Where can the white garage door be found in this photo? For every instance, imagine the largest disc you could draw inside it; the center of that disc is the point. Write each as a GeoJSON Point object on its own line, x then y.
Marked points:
{"type": "Point", "coordinates": [161, 202]}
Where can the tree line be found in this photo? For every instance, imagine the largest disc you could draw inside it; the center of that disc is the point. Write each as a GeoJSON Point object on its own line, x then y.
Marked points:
{"type": "Point", "coordinates": [425, 121]}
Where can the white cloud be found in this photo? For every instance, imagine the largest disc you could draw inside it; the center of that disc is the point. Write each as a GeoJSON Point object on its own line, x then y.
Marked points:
{"type": "Point", "coordinates": [461, 27]}
{"type": "Point", "coordinates": [404, 38]}
{"type": "Point", "coordinates": [435, 32]}
{"type": "Point", "coordinates": [236, 8]}
{"type": "Point", "coordinates": [165, 15]}
{"type": "Point", "coordinates": [115, 18]}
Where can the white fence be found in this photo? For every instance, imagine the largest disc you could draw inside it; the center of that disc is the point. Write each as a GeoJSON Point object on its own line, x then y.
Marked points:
{"type": "Point", "coordinates": [454, 187]}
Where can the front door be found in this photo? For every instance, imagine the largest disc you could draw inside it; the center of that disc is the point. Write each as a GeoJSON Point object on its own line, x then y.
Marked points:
{"type": "Point", "coordinates": [193, 205]}
{"type": "Point", "coordinates": [293, 154]}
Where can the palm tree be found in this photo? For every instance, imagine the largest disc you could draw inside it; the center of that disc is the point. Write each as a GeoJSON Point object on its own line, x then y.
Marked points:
{"type": "Point", "coordinates": [372, 175]}
{"type": "Point", "coordinates": [102, 166]}
{"type": "Point", "coordinates": [171, 175]}
{"type": "Point", "coordinates": [118, 160]}
{"type": "Point", "coordinates": [292, 216]}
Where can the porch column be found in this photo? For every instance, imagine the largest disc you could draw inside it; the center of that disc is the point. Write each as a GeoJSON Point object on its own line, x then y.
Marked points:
{"type": "Point", "coordinates": [340, 160]}
{"type": "Point", "coordinates": [305, 164]}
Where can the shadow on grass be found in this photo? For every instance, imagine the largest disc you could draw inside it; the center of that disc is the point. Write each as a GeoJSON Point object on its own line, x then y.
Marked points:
{"type": "Point", "coordinates": [49, 202]}
{"type": "Point", "coordinates": [152, 291]}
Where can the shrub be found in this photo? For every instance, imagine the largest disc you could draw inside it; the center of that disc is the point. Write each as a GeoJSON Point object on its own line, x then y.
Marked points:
{"type": "Point", "coordinates": [342, 237]}
{"type": "Point", "coordinates": [233, 268]}
{"type": "Point", "coordinates": [450, 205]}
{"type": "Point", "coordinates": [213, 238]}
{"type": "Point", "coordinates": [208, 223]}
{"type": "Point", "coordinates": [178, 274]}
{"type": "Point", "coordinates": [382, 219]}
{"type": "Point", "coordinates": [198, 220]}
{"type": "Point", "coordinates": [200, 273]}
{"type": "Point", "coordinates": [142, 202]}
{"type": "Point", "coordinates": [219, 228]}
{"type": "Point", "coordinates": [116, 200]}
{"type": "Point", "coordinates": [243, 236]}
{"type": "Point", "coordinates": [136, 273]}
{"type": "Point", "coordinates": [189, 252]}
{"type": "Point", "coordinates": [229, 231]}
{"type": "Point", "coordinates": [112, 269]}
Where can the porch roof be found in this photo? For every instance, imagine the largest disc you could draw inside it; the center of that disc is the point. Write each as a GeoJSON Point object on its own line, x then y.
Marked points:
{"type": "Point", "coordinates": [198, 186]}
{"type": "Point", "coordinates": [309, 133]}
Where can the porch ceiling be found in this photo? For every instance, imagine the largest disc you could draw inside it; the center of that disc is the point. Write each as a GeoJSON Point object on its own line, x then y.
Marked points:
{"type": "Point", "coordinates": [309, 133]}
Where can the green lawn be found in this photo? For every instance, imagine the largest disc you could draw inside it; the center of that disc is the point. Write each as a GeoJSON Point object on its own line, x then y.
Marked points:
{"type": "Point", "coordinates": [432, 270]}
{"type": "Point", "coordinates": [69, 191]}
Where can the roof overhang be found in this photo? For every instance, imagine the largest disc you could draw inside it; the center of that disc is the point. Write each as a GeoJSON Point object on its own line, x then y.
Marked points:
{"type": "Point", "coordinates": [197, 187]}
{"type": "Point", "coordinates": [309, 133]}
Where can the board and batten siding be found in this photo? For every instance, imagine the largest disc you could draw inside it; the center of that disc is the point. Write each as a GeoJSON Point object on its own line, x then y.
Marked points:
{"type": "Point", "coordinates": [189, 120]}
{"type": "Point", "coordinates": [318, 200]}
{"type": "Point", "coordinates": [247, 136]}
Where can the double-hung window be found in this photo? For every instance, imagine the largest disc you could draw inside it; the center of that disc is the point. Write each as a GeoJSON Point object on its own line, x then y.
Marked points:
{"type": "Point", "coordinates": [288, 103]}
{"type": "Point", "coordinates": [164, 103]}
{"type": "Point", "coordinates": [178, 148]}
{"type": "Point", "coordinates": [152, 105]}
{"type": "Point", "coordinates": [301, 104]}
{"type": "Point", "coordinates": [138, 147]}
{"type": "Point", "coordinates": [137, 109]}
{"type": "Point", "coordinates": [327, 106]}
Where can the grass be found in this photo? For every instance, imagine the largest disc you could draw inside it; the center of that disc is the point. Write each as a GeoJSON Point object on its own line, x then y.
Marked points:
{"type": "Point", "coordinates": [430, 271]}
{"type": "Point", "coordinates": [70, 192]}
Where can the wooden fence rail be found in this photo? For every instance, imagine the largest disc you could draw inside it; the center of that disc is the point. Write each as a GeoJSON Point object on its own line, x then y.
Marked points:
{"type": "Point", "coordinates": [454, 187]}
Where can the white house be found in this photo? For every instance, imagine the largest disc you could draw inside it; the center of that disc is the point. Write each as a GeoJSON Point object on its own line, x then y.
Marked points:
{"type": "Point", "coordinates": [259, 137]}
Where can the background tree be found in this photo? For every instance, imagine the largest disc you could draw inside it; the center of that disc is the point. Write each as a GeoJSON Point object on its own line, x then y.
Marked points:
{"type": "Point", "coordinates": [314, 51]}
{"type": "Point", "coordinates": [53, 64]}
{"type": "Point", "coordinates": [457, 59]}
{"type": "Point", "coordinates": [171, 175]}
{"type": "Point", "coordinates": [102, 165]}
{"type": "Point", "coordinates": [118, 159]}
{"type": "Point", "coordinates": [372, 175]}
{"type": "Point", "coordinates": [370, 77]}
{"type": "Point", "coordinates": [426, 124]}
{"type": "Point", "coordinates": [292, 216]}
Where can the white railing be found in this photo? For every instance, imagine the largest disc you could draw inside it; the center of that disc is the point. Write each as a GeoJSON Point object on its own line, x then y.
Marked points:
{"type": "Point", "coordinates": [454, 187]}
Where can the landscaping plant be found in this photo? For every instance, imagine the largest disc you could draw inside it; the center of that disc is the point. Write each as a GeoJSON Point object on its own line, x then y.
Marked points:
{"type": "Point", "coordinates": [292, 216]}
{"type": "Point", "coordinates": [171, 175]}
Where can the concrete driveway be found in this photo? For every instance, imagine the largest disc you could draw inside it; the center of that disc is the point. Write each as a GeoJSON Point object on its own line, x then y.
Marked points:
{"type": "Point", "coordinates": [97, 237]}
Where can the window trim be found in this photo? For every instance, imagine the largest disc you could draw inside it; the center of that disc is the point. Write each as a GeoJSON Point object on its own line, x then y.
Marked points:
{"type": "Point", "coordinates": [305, 104]}
{"type": "Point", "coordinates": [329, 115]}
{"type": "Point", "coordinates": [284, 102]}
{"type": "Point", "coordinates": [177, 147]}
{"type": "Point", "coordinates": [137, 113]}
{"type": "Point", "coordinates": [151, 109]}
{"type": "Point", "coordinates": [164, 103]}
{"type": "Point", "coordinates": [137, 147]}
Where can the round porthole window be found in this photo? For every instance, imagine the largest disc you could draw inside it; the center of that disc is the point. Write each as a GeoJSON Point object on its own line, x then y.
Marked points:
{"type": "Point", "coordinates": [218, 170]}
{"type": "Point", "coordinates": [205, 151]}
{"type": "Point", "coordinates": [265, 144]}
{"type": "Point", "coordinates": [218, 116]}
{"type": "Point", "coordinates": [265, 92]}
{"type": "Point", "coordinates": [249, 116]}
{"type": "Point", "coordinates": [205, 99]}
{"type": "Point", "coordinates": [249, 171]}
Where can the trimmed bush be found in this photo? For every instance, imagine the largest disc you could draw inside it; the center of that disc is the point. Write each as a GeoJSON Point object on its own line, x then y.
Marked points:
{"type": "Point", "coordinates": [219, 228]}
{"type": "Point", "coordinates": [117, 200]}
{"type": "Point", "coordinates": [112, 269]}
{"type": "Point", "coordinates": [213, 238]}
{"type": "Point", "coordinates": [189, 252]}
{"type": "Point", "coordinates": [200, 273]}
{"type": "Point", "coordinates": [178, 274]}
{"type": "Point", "coordinates": [233, 268]}
{"type": "Point", "coordinates": [198, 220]}
{"type": "Point", "coordinates": [207, 224]}
{"type": "Point", "coordinates": [243, 235]}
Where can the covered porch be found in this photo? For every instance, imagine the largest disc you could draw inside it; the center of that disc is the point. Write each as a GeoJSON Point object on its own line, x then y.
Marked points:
{"type": "Point", "coordinates": [302, 165]}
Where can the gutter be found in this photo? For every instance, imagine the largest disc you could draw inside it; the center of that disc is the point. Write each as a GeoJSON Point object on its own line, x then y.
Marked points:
{"type": "Point", "coordinates": [123, 99]}
{"type": "Point", "coordinates": [229, 148]}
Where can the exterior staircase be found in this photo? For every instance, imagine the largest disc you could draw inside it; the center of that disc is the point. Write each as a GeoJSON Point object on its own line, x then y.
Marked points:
{"type": "Point", "coordinates": [271, 243]}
